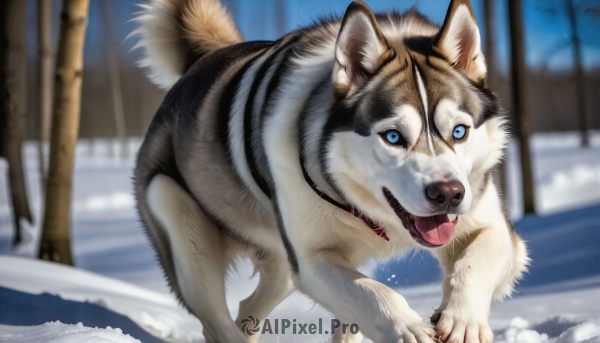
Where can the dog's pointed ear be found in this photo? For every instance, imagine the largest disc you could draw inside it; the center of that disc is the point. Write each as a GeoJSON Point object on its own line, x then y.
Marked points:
{"type": "Point", "coordinates": [360, 48]}
{"type": "Point", "coordinates": [459, 40]}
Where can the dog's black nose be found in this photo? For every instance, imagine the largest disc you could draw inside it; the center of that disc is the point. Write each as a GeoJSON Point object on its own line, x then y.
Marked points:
{"type": "Point", "coordinates": [446, 194]}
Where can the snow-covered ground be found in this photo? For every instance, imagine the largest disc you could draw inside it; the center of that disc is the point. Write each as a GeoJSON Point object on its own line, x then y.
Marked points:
{"type": "Point", "coordinates": [118, 284]}
{"type": "Point", "coordinates": [566, 176]}
{"type": "Point", "coordinates": [57, 332]}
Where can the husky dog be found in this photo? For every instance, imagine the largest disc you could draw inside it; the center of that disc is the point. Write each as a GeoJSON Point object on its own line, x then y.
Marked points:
{"type": "Point", "coordinates": [346, 141]}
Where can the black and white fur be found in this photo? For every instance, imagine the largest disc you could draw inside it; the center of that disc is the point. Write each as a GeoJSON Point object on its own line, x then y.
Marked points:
{"type": "Point", "coordinates": [219, 173]}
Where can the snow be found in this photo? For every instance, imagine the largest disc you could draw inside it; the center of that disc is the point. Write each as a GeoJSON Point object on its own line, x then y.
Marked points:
{"type": "Point", "coordinates": [566, 175]}
{"type": "Point", "coordinates": [158, 313]}
{"type": "Point", "coordinates": [520, 331]}
{"type": "Point", "coordinates": [57, 332]}
{"type": "Point", "coordinates": [118, 283]}
{"type": "Point", "coordinates": [587, 330]}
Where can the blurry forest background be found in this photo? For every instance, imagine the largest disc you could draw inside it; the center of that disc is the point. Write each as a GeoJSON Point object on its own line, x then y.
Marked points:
{"type": "Point", "coordinates": [552, 78]}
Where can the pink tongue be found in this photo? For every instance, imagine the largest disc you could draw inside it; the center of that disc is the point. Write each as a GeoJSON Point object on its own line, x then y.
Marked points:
{"type": "Point", "coordinates": [436, 230]}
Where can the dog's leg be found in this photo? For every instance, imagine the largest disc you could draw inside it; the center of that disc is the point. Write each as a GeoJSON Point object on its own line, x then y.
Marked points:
{"type": "Point", "coordinates": [197, 249]}
{"type": "Point", "coordinates": [339, 337]}
{"type": "Point", "coordinates": [380, 313]}
{"type": "Point", "coordinates": [481, 266]}
{"type": "Point", "coordinates": [274, 286]}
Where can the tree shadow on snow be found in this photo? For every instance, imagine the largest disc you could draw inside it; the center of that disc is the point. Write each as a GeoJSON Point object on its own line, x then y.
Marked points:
{"type": "Point", "coordinates": [24, 309]}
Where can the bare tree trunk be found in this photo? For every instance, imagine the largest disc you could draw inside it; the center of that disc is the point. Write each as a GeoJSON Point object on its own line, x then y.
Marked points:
{"type": "Point", "coordinates": [4, 95]}
{"type": "Point", "coordinates": [490, 55]}
{"type": "Point", "coordinates": [115, 78]}
{"type": "Point", "coordinates": [581, 103]}
{"type": "Point", "coordinates": [15, 108]}
{"type": "Point", "coordinates": [55, 244]}
{"type": "Point", "coordinates": [279, 7]}
{"type": "Point", "coordinates": [521, 101]}
{"type": "Point", "coordinates": [44, 11]}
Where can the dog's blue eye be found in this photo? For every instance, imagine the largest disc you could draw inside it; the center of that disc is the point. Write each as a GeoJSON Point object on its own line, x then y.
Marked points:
{"type": "Point", "coordinates": [459, 132]}
{"type": "Point", "coordinates": [393, 137]}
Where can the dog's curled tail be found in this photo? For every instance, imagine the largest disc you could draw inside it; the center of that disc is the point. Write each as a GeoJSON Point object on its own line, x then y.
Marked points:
{"type": "Point", "coordinates": [175, 33]}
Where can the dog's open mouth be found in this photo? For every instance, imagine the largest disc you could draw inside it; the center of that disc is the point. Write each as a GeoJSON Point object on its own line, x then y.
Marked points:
{"type": "Point", "coordinates": [431, 231]}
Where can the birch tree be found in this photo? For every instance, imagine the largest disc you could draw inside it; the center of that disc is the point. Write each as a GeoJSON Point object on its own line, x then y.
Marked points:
{"type": "Point", "coordinates": [55, 243]}
{"type": "Point", "coordinates": [44, 12]}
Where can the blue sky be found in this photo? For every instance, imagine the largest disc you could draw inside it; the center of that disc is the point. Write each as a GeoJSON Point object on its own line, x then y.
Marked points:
{"type": "Point", "coordinates": [547, 35]}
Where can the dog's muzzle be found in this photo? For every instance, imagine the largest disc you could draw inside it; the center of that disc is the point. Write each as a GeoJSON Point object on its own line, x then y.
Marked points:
{"type": "Point", "coordinates": [432, 231]}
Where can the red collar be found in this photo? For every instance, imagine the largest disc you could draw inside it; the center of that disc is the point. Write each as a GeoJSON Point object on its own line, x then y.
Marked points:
{"type": "Point", "coordinates": [379, 230]}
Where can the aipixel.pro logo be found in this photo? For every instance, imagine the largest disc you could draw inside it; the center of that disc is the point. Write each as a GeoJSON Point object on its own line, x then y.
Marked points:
{"type": "Point", "coordinates": [251, 325]}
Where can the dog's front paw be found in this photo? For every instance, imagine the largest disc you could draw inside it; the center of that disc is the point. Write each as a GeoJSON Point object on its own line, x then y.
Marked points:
{"type": "Point", "coordinates": [455, 327]}
{"type": "Point", "coordinates": [418, 331]}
